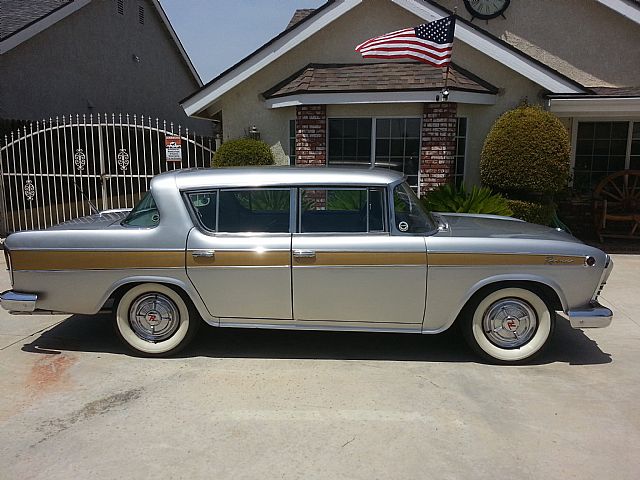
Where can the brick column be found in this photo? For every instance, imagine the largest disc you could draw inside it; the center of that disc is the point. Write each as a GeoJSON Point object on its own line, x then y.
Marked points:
{"type": "Point", "coordinates": [311, 135]}
{"type": "Point", "coordinates": [438, 149]}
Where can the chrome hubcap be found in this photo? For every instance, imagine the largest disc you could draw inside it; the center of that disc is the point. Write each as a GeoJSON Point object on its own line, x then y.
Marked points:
{"type": "Point", "coordinates": [154, 317]}
{"type": "Point", "coordinates": [509, 323]}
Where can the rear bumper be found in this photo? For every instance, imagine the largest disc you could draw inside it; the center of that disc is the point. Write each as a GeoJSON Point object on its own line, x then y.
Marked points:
{"type": "Point", "coordinates": [18, 302]}
{"type": "Point", "coordinates": [594, 316]}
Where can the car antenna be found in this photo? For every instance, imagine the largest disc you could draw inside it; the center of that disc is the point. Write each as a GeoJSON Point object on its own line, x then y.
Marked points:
{"type": "Point", "coordinates": [91, 205]}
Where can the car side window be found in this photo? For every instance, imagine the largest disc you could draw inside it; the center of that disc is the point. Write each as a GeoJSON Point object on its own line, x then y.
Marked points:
{"type": "Point", "coordinates": [255, 210]}
{"type": "Point", "coordinates": [205, 206]}
{"type": "Point", "coordinates": [342, 210]}
{"type": "Point", "coordinates": [410, 215]}
{"type": "Point", "coordinates": [145, 214]}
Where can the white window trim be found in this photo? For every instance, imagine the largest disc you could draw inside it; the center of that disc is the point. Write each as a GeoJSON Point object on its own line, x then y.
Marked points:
{"type": "Point", "coordinates": [625, 9]}
{"type": "Point", "coordinates": [574, 136]}
{"type": "Point", "coordinates": [354, 98]}
{"type": "Point", "coordinates": [587, 107]}
{"type": "Point", "coordinates": [466, 147]}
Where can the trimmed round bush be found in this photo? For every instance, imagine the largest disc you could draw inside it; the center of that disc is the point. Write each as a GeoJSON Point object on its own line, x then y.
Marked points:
{"type": "Point", "coordinates": [532, 212]}
{"type": "Point", "coordinates": [243, 152]}
{"type": "Point", "coordinates": [526, 150]}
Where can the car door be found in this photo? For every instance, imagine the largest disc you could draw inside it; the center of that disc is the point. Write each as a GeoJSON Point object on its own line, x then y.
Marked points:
{"type": "Point", "coordinates": [348, 269]}
{"type": "Point", "coordinates": [239, 255]}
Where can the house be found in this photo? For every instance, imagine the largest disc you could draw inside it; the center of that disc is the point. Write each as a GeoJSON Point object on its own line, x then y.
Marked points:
{"type": "Point", "coordinates": [308, 91]}
{"type": "Point", "coordinates": [75, 57]}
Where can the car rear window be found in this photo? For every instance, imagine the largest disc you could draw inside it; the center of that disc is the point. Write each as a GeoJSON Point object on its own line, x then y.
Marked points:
{"type": "Point", "coordinates": [144, 214]}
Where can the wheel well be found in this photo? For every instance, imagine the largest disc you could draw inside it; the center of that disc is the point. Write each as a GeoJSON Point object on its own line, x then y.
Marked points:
{"type": "Point", "coordinates": [547, 293]}
{"type": "Point", "coordinates": [113, 299]}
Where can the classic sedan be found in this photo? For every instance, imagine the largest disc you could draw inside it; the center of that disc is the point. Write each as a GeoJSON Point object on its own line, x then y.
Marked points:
{"type": "Point", "coordinates": [307, 248]}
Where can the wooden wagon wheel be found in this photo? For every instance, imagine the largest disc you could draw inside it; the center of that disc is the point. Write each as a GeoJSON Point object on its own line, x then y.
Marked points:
{"type": "Point", "coordinates": [617, 198]}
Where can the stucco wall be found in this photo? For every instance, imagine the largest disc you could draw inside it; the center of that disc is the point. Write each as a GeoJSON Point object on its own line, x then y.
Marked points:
{"type": "Point", "coordinates": [582, 39]}
{"type": "Point", "coordinates": [84, 64]}
{"type": "Point", "coordinates": [243, 107]}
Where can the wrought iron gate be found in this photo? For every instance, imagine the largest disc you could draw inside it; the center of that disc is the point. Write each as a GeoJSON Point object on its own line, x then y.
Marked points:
{"type": "Point", "coordinates": [56, 170]}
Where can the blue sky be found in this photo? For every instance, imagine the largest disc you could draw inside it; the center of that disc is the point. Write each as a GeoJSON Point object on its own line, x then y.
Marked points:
{"type": "Point", "coordinates": [218, 33]}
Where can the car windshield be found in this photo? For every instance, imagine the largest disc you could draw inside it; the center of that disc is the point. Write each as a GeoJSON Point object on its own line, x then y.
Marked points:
{"type": "Point", "coordinates": [410, 215]}
{"type": "Point", "coordinates": [144, 214]}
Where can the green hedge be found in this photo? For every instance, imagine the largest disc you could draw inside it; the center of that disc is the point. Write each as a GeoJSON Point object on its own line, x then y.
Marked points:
{"type": "Point", "coordinates": [527, 150]}
{"type": "Point", "coordinates": [243, 152]}
{"type": "Point", "coordinates": [532, 212]}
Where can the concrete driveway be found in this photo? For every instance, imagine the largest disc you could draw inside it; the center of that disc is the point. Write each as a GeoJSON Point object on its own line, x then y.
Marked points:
{"type": "Point", "coordinates": [260, 404]}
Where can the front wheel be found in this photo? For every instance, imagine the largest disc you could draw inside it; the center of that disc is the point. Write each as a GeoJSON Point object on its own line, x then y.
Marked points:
{"type": "Point", "coordinates": [508, 325]}
{"type": "Point", "coordinates": [154, 320]}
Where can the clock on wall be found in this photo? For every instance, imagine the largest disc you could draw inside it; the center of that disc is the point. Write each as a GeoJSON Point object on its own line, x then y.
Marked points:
{"type": "Point", "coordinates": [486, 9]}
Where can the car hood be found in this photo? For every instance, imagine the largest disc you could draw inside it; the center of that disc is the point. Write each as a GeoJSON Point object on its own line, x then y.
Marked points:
{"type": "Point", "coordinates": [493, 226]}
{"type": "Point", "coordinates": [94, 222]}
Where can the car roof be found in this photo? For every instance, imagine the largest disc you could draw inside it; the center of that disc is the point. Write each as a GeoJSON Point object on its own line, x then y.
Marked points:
{"type": "Point", "coordinates": [281, 176]}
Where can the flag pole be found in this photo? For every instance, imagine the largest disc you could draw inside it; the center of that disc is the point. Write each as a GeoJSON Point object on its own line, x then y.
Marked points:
{"type": "Point", "coordinates": [445, 89]}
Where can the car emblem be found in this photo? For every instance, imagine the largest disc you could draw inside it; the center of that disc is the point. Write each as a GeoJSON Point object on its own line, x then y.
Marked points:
{"type": "Point", "coordinates": [403, 226]}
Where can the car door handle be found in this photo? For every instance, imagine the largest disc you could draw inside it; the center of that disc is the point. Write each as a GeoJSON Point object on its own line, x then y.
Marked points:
{"type": "Point", "coordinates": [304, 254]}
{"type": "Point", "coordinates": [203, 253]}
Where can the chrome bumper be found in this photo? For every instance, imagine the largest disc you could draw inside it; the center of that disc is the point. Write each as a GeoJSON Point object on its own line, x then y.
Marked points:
{"type": "Point", "coordinates": [17, 302]}
{"type": "Point", "coordinates": [594, 316]}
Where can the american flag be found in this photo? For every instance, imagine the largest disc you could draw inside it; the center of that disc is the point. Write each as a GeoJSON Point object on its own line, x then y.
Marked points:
{"type": "Point", "coordinates": [429, 43]}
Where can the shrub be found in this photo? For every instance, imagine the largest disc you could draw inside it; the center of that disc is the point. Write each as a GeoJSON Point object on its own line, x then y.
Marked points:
{"type": "Point", "coordinates": [447, 198]}
{"type": "Point", "coordinates": [526, 150]}
{"type": "Point", "coordinates": [243, 152]}
{"type": "Point", "coordinates": [532, 212]}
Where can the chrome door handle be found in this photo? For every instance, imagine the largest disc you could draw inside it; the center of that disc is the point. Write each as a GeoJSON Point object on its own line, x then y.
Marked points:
{"type": "Point", "coordinates": [304, 253]}
{"type": "Point", "coordinates": [203, 253]}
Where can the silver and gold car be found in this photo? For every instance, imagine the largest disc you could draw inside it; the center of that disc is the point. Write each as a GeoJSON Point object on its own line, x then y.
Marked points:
{"type": "Point", "coordinates": [307, 248]}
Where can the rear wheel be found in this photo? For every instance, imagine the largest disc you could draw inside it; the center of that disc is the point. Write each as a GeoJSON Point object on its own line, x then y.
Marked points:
{"type": "Point", "coordinates": [508, 325]}
{"type": "Point", "coordinates": [154, 320]}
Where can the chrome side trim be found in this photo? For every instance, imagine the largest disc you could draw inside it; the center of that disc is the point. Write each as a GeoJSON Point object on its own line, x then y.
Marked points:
{"type": "Point", "coordinates": [18, 302]}
{"type": "Point", "coordinates": [594, 316]}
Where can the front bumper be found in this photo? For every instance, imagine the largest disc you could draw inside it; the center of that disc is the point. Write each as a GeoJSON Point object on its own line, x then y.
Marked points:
{"type": "Point", "coordinates": [593, 316]}
{"type": "Point", "coordinates": [18, 302]}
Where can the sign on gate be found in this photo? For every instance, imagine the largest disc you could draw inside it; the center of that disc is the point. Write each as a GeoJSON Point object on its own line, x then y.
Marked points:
{"type": "Point", "coordinates": [173, 146]}
{"type": "Point", "coordinates": [56, 170]}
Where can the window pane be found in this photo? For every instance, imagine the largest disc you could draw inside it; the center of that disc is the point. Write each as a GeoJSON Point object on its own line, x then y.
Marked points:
{"type": "Point", "coordinates": [204, 206]}
{"type": "Point", "coordinates": [144, 214]}
{"type": "Point", "coordinates": [412, 147]}
{"type": "Point", "coordinates": [413, 127]}
{"type": "Point", "coordinates": [635, 146]}
{"type": "Point", "coordinates": [292, 142]}
{"type": "Point", "coordinates": [349, 141]}
{"type": "Point", "coordinates": [254, 211]}
{"type": "Point", "coordinates": [382, 147]}
{"type": "Point", "coordinates": [376, 210]}
{"type": "Point", "coordinates": [383, 128]}
{"type": "Point", "coordinates": [397, 147]}
{"type": "Point", "coordinates": [330, 211]}
{"type": "Point", "coordinates": [397, 127]}
{"type": "Point", "coordinates": [601, 149]}
{"type": "Point", "coordinates": [410, 215]}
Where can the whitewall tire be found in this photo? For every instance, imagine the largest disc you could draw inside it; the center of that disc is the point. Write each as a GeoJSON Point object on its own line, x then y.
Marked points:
{"type": "Point", "coordinates": [508, 325]}
{"type": "Point", "coordinates": [154, 320]}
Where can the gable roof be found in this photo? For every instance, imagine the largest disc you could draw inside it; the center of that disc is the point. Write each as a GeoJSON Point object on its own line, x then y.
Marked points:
{"type": "Point", "coordinates": [377, 77]}
{"type": "Point", "coordinates": [428, 10]}
{"type": "Point", "coordinates": [22, 20]}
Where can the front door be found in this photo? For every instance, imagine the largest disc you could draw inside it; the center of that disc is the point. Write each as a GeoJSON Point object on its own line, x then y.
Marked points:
{"type": "Point", "coordinates": [348, 270]}
{"type": "Point", "coordinates": [239, 258]}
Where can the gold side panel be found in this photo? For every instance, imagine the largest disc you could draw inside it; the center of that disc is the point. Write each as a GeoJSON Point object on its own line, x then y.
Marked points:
{"type": "Point", "coordinates": [364, 258]}
{"type": "Point", "coordinates": [468, 259]}
{"type": "Point", "coordinates": [241, 259]}
{"type": "Point", "coordinates": [94, 260]}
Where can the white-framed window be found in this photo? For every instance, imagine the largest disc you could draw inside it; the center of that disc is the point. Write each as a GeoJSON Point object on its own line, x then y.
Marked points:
{"type": "Point", "coordinates": [292, 142]}
{"type": "Point", "coordinates": [461, 151]}
{"type": "Point", "coordinates": [382, 142]}
{"type": "Point", "coordinates": [602, 147]}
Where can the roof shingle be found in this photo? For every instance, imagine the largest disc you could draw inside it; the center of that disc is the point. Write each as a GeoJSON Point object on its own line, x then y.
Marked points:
{"type": "Point", "coordinates": [377, 77]}
{"type": "Point", "coordinates": [18, 14]}
{"type": "Point", "coordinates": [301, 14]}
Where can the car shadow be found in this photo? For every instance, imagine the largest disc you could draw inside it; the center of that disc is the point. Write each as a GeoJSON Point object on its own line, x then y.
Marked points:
{"type": "Point", "coordinates": [96, 334]}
